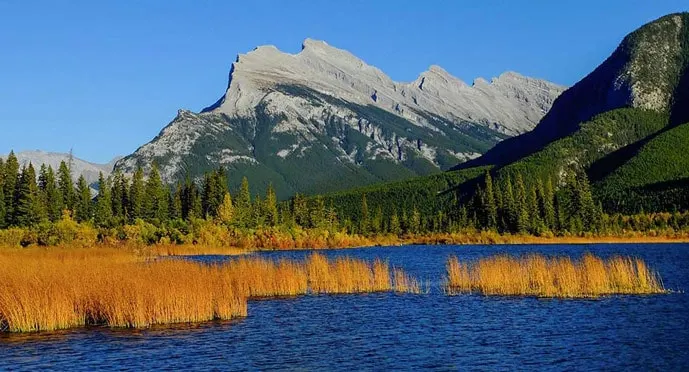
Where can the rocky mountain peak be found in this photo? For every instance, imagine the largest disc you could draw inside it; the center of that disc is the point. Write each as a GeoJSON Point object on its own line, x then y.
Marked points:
{"type": "Point", "coordinates": [327, 110]}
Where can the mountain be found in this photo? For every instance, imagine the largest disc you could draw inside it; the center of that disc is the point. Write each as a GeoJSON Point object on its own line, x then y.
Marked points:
{"type": "Point", "coordinates": [647, 72]}
{"type": "Point", "coordinates": [89, 170]}
{"type": "Point", "coordinates": [625, 125]}
{"type": "Point", "coordinates": [323, 120]}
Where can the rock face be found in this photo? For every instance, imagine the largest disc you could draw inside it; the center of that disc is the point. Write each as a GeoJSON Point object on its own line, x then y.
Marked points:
{"type": "Point", "coordinates": [322, 120]}
{"type": "Point", "coordinates": [648, 70]}
{"type": "Point", "coordinates": [90, 171]}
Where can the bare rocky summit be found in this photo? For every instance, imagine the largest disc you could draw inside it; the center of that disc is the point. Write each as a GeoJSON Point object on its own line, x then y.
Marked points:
{"type": "Point", "coordinates": [326, 111]}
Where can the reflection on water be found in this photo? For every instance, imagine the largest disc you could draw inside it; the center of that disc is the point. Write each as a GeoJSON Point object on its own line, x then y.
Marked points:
{"type": "Point", "coordinates": [391, 331]}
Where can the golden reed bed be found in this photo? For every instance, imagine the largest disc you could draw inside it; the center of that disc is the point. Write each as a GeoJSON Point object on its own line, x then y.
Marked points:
{"type": "Point", "coordinates": [63, 288]}
{"type": "Point", "coordinates": [540, 276]}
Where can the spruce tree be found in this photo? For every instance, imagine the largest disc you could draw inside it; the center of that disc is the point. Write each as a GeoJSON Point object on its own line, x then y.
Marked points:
{"type": "Point", "coordinates": [510, 212]}
{"type": "Point", "coordinates": [226, 209]}
{"type": "Point", "coordinates": [65, 183]}
{"type": "Point", "coordinates": [243, 205]}
{"type": "Point", "coordinates": [271, 208]}
{"type": "Point", "coordinates": [545, 203]}
{"type": "Point", "coordinates": [83, 207]}
{"type": "Point", "coordinates": [53, 198]}
{"type": "Point", "coordinates": [137, 196]}
{"type": "Point", "coordinates": [175, 202]}
{"type": "Point", "coordinates": [491, 209]}
{"type": "Point", "coordinates": [395, 227]}
{"type": "Point", "coordinates": [155, 198]}
{"type": "Point", "coordinates": [300, 211]}
{"type": "Point", "coordinates": [521, 205]}
{"type": "Point", "coordinates": [103, 213]}
{"type": "Point", "coordinates": [3, 210]}
{"type": "Point", "coordinates": [11, 178]}
{"type": "Point", "coordinates": [364, 221]}
{"type": "Point", "coordinates": [29, 209]}
{"type": "Point", "coordinates": [117, 195]}
{"type": "Point", "coordinates": [535, 221]}
{"type": "Point", "coordinates": [415, 221]}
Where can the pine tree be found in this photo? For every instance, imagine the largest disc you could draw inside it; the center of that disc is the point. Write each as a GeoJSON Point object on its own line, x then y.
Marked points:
{"type": "Point", "coordinates": [66, 186]}
{"type": "Point", "coordinates": [364, 222]}
{"type": "Point", "coordinates": [29, 209]}
{"type": "Point", "coordinates": [3, 210]}
{"type": "Point", "coordinates": [535, 221]}
{"type": "Point", "coordinates": [226, 209]}
{"type": "Point", "coordinates": [491, 209]}
{"type": "Point", "coordinates": [271, 208]}
{"type": "Point", "coordinates": [137, 199]}
{"type": "Point", "coordinates": [415, 221]}
{"type": "Point", "coordinates": [11, 178]}
{"type": "Point", "coordinates": [103, 213]}
{"type": "Point", "coordinates": [118, 195]}
{"type": "Point", "coordinates": [52, 197]}
{"type": "Point", "coordinates": [300, 211]}
{"type": "Point", "coordinates": [395, 227]}
{"type": "Point", "coordinates": [243, 204]}
{"type": "Point", "coordinates": [155, 198]}
{"type": "Point", "coordinates": [545, 203]}
{"type": "Point", "coordinates": [175, 202]}
{"type": "Point", "coordinates": [521, 205]}
{"type": "Point", "coordinates": [83, 207]}
{"type": "Point", "coordinates": [510, 213]}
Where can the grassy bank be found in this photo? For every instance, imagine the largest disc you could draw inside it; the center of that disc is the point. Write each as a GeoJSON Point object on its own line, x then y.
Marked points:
{"type": "Point", "coordinates": [64, 288]}
{"type": "Point", "coordinates": [540, 276]}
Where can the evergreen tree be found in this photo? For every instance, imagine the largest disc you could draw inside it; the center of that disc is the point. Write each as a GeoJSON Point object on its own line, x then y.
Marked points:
{"type": "Point", "coordinates": [83, 207]}
{"type": "Point", "coordinates": [3, 210]}
{"type": "Point", "coordinates": [118, 195]}
{"type": "Point", "coordinates": [317, 213]}
{"type": "Point", "coordinates": [545, 204]}
{"type": "Point", "coordinates": [66, 185]}
{"type": "Point", "coordinates": [510, 212]}
{"type": "Point", "coordinates": [226, 209]}
{"type": "Point", "coordinates": [395, 227]}
{"type": "Point", "coordinates": [137, 199]}
{"type": "Point", "coordinates": [175, 202]}
{"type": "Point", "coordinates": [364, 222]}
{"type": "Point", "coordinates": [213, 191]}
{"type": "Point", "coordinates": [535, 221]}
{"type": "Point", "coordinates": [29, 208]}
{"type": "Point", "coordinates": [10, 180]}
{"type": "Point", "coordinates": [155, 198]}
{"type": "Point", "coordinates": [300, 211]}
{"type": "Point", "coordinates": [271, 208]}
{"type": "Point", "coordinates": [415, 221]}
{"type": "Point", "coordinates": [521, 205]}
{"type": "Point", "coordinates": [491, 208]}
{"type": "Point", "coordinates": [243, 204]}
{"type": "Point", "coordinates": [103, 213]}
{"type": "Point", "coordinates": [53, 199]}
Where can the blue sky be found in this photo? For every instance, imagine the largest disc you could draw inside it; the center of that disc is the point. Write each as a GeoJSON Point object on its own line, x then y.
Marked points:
{"type": "Point", "coordinates": [103, 77]}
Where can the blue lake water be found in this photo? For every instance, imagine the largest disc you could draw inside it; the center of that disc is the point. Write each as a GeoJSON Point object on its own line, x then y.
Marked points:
{"type": "Point", "coordinates": [394, 332]}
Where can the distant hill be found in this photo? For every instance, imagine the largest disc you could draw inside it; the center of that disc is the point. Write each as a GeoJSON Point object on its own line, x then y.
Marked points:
{"type": "Point", "coordinates": [89, 170]}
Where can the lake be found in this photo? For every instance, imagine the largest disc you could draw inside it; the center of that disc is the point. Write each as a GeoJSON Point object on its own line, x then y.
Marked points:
{"type": "Point", "coordinates": [402, 331]}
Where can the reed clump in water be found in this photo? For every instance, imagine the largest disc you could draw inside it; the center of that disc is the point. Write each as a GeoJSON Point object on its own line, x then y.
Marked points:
{"type": "Point", "coordinates": [537, 275]}
{"type": "Point", "coordinates": [62, 288]}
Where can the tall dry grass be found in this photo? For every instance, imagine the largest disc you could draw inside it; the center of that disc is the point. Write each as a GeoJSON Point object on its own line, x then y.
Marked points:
{"type": "Point", "coordinates": [537, 275]}
{"type": "Point", "coordinates": [63, 288]}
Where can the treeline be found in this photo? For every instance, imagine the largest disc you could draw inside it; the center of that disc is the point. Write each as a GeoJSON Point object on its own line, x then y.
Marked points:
{"type": "Point", "coordinates": [28, 198]}
{"type": "Point", "coordinates": [47, 208]}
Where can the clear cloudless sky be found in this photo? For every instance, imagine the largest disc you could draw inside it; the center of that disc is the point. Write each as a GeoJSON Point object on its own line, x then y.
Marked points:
{"type": "Point", "coordinates": [104, 77]}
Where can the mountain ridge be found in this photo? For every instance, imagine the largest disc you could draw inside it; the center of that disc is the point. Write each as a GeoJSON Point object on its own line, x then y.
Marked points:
{"type": "Point", "coordinates": [325, 110]}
